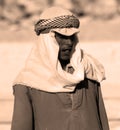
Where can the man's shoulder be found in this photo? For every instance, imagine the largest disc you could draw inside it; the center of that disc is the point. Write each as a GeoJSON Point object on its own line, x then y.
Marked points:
{"type": "Point", "coordinates": [88, 82]}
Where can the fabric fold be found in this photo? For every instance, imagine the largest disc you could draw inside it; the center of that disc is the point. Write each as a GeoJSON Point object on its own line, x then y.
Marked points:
{"type": "Point", "coordinates": [43, 70]}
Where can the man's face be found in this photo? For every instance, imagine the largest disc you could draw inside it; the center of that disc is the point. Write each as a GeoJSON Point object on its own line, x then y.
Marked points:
{"type": "Point", "coordinates": [66, 45]}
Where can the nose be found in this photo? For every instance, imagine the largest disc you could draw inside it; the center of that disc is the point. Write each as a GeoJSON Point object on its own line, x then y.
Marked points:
{"type": "Point", "coordinates": [68, 42]}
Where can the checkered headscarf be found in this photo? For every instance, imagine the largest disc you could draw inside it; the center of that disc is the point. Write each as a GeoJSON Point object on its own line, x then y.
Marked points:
{"type": "Point", "coordinates": [64, 21]}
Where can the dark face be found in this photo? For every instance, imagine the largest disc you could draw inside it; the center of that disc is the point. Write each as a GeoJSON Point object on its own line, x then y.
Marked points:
{"type": "Point", "coordinates": [66, 46]}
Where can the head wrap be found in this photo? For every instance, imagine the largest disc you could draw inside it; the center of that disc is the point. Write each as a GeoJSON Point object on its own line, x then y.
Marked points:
{"type": "Point", "coordinates": [43, 70]}
{"type": "Point", "coordinates": [66, 21]}
{"type": "Point", "coordinates": [58, 19]}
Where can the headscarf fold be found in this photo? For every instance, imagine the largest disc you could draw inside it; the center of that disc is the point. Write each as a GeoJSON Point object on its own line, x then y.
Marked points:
{"type": "Point", "coordinates": [43, 70]}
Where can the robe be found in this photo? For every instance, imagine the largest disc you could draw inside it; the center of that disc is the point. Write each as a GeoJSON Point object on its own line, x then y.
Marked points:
{"type": "Point", "coordinates": [82, 109]}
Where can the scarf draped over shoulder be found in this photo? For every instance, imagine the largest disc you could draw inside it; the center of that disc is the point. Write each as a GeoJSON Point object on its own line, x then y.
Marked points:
{"type": "Point", "coordinates": [43, 70]}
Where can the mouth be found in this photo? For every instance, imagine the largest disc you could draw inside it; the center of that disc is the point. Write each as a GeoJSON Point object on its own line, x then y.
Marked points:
{"type": "Point", "coordinates": [67, 49]}
{"type": "Point", "coordinates": [65, 52]}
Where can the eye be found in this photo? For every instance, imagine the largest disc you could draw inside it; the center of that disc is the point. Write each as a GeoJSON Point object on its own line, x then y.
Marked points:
{"type": "Point", "coordinates": [59, 35]}
{"type": "Point", "coordinates": [59, 38]}
{"type": "Point", "coordinates": [74, 38]}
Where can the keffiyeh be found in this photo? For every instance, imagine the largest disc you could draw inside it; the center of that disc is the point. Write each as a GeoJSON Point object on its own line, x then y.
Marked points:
{"type": "Point", "coordinates": [43, 70]}
{"type": "Point", "coordinates": [65, 21]}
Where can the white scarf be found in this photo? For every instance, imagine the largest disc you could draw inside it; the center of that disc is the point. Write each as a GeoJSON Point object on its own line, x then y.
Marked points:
{"type": "Point", "coordinates": [43, 70]}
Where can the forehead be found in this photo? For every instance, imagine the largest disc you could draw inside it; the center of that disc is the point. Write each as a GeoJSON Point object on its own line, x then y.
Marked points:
{"type": "Point", "coordinates": [66, 40]}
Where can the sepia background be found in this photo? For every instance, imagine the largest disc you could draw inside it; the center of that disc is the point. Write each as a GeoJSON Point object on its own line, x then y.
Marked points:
{"type": "Point", "coordinates": [99, 36]}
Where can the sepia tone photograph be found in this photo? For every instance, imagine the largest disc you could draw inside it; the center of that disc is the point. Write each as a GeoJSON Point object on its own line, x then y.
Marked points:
{"type": "Point", "coordinates": [59, 65]}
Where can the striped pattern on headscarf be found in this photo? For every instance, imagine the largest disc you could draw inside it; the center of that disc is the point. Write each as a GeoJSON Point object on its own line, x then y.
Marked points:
{"type": "Point", "coordinates": [65, 21]}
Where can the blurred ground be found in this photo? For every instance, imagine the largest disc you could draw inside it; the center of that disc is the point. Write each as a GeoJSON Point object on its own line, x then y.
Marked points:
{"type": "Point", "coordinates": [99, 37]}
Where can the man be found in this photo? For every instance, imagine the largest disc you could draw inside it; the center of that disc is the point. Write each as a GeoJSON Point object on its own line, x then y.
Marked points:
{"type": "Point", "coordinates": [59, 87]}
